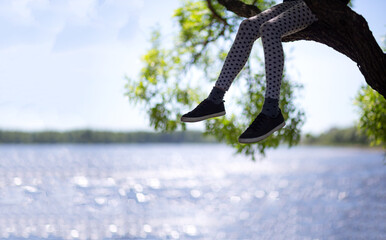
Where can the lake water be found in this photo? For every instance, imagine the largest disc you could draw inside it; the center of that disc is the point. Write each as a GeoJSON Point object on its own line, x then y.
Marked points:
{"type": "Point", "coordinates": [190, 192]}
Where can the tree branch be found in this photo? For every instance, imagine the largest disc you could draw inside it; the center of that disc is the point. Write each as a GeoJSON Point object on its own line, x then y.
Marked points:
{"type": "Point", "coordinates": [240, 8]}
{"type": "Point", "coordinates": [206, 42]}
{"type": "Point", "coordinates": [215, 14]}
{"type": "Point", "coordinates": [342, 29]}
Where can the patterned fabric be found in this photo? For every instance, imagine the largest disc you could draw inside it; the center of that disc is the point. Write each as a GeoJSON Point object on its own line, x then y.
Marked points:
{"type": "Point", "coordinates": [271, 107]}
{"type": "Point", "coordinates": [280, 20]}
{"type": "Point", "coordinates": [216, 95]}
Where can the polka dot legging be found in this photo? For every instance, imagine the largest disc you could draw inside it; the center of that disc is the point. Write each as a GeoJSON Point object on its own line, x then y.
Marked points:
{"type": "Point", "coordinates": [272, 24]}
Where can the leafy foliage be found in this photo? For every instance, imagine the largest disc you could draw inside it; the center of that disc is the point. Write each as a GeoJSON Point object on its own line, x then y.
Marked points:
{"type": "Point", "coordinates": [338, 136]}
{"type": "Point", "coordinates": [372, 122]}
{"type": "Point", "coordinates": [90, 136]}
{"type": "Point", "coordinates": [175, 78]}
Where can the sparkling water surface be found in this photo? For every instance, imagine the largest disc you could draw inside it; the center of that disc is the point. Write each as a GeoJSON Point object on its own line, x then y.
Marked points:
{"type": "Point", "coordinates": [192, 191]}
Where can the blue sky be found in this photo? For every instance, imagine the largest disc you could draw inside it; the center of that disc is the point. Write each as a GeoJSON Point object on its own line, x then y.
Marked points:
{"type": "Point", "coordinates": [63, 62]}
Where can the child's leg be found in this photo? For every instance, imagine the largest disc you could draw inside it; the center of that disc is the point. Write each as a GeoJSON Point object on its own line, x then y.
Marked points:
{"type": "Point", "coordinates": [292, 20]}
{"type": "Point", "coordinates": [248, 32]}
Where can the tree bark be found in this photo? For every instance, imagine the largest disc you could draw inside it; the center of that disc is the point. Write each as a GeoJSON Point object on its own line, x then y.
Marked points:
{"type": "Point", "coordinates": [340, 28]}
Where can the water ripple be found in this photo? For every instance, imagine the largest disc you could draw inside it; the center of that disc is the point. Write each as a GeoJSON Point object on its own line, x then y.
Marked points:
{"type": "Point", "coordinates": [189, 192]}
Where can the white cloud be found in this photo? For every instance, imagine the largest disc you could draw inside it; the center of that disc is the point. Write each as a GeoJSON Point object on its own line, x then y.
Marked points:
{"type": "Point", "coordinates": [20, 12]}
{"type": "Point", "coordinates": [81, 11]}
{"type": "Point", "coordinates": [100, 22]}
{"type": "Point", "coordinates": [65, 24]}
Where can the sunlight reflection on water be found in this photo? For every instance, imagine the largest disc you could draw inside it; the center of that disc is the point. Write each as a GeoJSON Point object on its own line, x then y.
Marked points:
{"type": "Point", "coordinates": [189, 192]}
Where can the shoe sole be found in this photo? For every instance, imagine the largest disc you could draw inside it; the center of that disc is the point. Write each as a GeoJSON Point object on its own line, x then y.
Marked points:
{"type": "Point", "coordinates": [197, 119]}
{"type": "Point", "coordinates": [258, 139]}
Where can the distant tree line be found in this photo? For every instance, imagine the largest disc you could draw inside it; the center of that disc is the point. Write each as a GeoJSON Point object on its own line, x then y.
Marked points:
{"type": "Point", "coordinates": [338, 136]}
{"type": "Point", "coordinates": [335, 136]}
{"type": "Point", "coordinates": [91, 136]}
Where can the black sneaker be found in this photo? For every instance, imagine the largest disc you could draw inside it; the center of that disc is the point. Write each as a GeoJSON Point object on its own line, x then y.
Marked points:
{"type": "Point", "coordinates": [206, 109]}
{"type": "Point", "coordinates": [261, 128]}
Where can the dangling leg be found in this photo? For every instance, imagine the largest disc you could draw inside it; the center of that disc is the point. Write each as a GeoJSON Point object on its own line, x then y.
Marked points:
{"type": "Point", "coordinates": [291, 21]}
{"type": "Point", "coordinates": [270, 119]}
{"type": "Point", "coordinates": [247, 34]}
